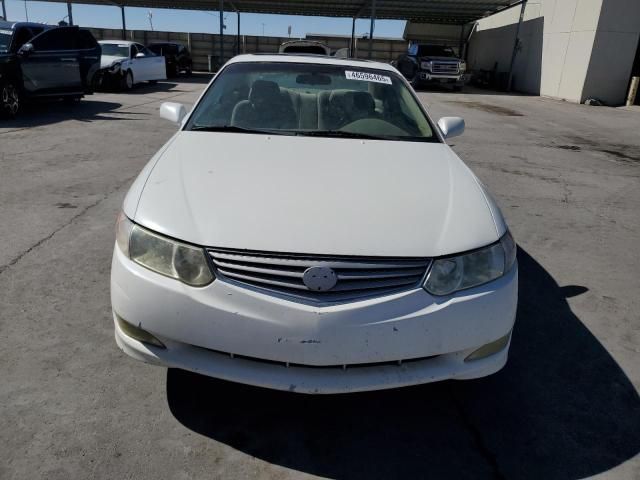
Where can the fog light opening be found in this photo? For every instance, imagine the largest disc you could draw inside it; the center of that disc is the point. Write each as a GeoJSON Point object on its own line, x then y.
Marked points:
{"type": "Point", "coordinates": [489, 348]}
{"type": "Point", "coordinates": [138, 333]}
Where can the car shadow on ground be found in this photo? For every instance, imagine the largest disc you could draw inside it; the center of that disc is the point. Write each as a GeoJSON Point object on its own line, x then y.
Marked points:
{"type": "Point", "coordinates": [561, 409]}
{"type": "Point", "coordinates": [38, 113]}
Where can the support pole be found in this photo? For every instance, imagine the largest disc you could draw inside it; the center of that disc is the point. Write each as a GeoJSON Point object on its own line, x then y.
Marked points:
{"type": "Point", "coordinates": [352, 44]}
{"type": "Point", "coordinates": [633, 91]}
{"type": "Point", "coordinates": [515, 45]}
{"type": "Point", "coordinates": [69, 13]}
{"type": "Point", "coordinates": [124, 24]}
{"type": "Point", "coordinates": [4, 10]}
{"type": "Point", "coordinates": [221, 8]}
{"type": "Point", "coordinates": [238, 34]}
{"type": "Point", "coordinates": [373, 19]}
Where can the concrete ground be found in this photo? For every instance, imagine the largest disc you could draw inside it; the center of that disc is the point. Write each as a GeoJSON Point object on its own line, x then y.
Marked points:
{"type": "Point", "coordinates": [566, 406]}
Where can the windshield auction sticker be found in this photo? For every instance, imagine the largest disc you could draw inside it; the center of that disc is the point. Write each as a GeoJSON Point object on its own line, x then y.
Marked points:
{"type": "Point", "coordinates": [367, 77]}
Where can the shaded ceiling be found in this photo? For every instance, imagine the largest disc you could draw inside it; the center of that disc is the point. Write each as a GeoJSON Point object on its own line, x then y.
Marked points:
{"type": "Point", "coordinates": [424, 11]}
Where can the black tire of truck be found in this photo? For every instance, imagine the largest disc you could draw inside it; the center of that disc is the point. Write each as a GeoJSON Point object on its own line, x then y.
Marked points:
{"type": "Point", "coordinates": [10, 100]}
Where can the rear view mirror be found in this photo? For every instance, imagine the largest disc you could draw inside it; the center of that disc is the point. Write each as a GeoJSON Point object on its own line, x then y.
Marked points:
{"type": "Point", "coordinates": [313, 79]}
{"type": "Point", "coordinates": [140, 55]}
{"type": "Point", "coordinates": [26, 49]}
{"type": "Point", "coordinates": [451, 126]}
{"type": "Point", "coordinates": [174, 112]}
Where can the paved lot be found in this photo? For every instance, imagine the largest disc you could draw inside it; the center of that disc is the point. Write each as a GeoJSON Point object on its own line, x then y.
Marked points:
{"type": "Point", "coordinates": [566, 406]}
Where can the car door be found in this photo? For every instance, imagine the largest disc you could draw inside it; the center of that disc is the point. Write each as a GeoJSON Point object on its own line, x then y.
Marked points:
{"type": "Point", "coordinates": [138, 66]}
{"type": "Point", "coordinates": [89, 53]}
{"type": "Point", "coordinates": [50, 63]}
{"type": "Point", "coordinates": [155, 64]}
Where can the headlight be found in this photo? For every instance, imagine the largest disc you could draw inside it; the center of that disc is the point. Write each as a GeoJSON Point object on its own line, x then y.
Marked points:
{"type": "Point", "coordinates": [448, 275]}
{"type": "Point", "coordinates": [115, 67]}
{"type": "Point", "coordinates": [163, 255]}
{"type": "Point", "coordinates": [463, 67]}
{"type": "Point", "coordinates": [425, 65]}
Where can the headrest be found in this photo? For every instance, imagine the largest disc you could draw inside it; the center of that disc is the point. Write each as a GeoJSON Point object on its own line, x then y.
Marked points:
{"type": "Point", "coordinates": [264, 91]}
{"type": "Point", "coordinates": [350, 100]}
{"type": "Point", "coordinates": [363, 101]}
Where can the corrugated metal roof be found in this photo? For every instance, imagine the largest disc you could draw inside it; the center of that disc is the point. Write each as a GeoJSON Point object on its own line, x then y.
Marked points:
{"type": "Point", "coordinates": [430, 11]}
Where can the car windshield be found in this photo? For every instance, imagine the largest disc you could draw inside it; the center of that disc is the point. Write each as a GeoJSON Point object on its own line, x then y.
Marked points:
{"type": "Point", "coordinates": [5, 40]}
{"type": "Point", "coordinates": [312, 99]}
{"type": "Point", "coordinates": [115, 49]}
{"type": "Point", "coordinates": [435, 51]}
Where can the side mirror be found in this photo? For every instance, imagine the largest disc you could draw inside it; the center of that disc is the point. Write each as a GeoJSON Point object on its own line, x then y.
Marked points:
{"type": "Point", "coordinates": [140, 55]}
{"type": "Point", "coordinates": [26, 49]}
{"type": "Point", "coordinates": [174, 112]}
{"type": "Point", "coordinates": [451, 126]}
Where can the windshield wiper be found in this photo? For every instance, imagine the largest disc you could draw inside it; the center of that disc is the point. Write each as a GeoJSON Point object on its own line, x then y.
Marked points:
{"type": "Point", "coordinates": [235, 128]}
{"type": "Point", "coordinates": [339, 133]}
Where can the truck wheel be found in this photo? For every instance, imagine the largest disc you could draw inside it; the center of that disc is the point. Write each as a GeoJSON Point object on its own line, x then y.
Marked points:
{"type": "Point", "coordinates": [9, 99]}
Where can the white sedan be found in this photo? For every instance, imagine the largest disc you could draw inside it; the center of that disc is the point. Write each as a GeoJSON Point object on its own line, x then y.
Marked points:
{"type": "Point", "coordinates": [126, 63]}
{"type": "Point", "coordinates": [308, 229]}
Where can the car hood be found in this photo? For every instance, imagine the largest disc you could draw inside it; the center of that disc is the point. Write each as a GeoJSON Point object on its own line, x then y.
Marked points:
{"type": "Point", "coordinates": [439, 59]}
{"type": "Point", "coordinates": [108, 60]}
{"type": "Point", "coordinates": [313, 195]}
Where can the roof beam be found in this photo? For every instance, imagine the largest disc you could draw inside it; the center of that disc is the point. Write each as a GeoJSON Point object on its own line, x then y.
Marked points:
{"type": "Point", "coordinates": [433, 11]}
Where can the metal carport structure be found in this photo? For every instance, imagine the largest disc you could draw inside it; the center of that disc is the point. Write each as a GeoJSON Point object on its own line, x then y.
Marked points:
{"type": "Point", "coordinates": [453, 12]}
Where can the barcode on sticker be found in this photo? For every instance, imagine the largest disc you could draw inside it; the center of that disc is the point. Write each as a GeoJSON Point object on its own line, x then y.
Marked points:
{"type": "Point", "coordinates": [367, 77]}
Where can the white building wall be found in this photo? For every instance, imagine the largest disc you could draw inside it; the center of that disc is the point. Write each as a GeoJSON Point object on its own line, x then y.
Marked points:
{"type": "Point", "coordinates": [571, 49]}
{"type": "Point", "coordinates": [614, 49]}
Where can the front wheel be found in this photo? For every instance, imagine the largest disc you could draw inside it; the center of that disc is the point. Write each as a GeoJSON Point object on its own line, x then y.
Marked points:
{"type": "Point", "coordinates": [127, 81]}
{"type": "Point", "coordinates": [9, 99]}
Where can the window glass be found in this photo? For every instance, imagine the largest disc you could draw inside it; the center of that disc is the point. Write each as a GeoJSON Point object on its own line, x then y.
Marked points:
{"type": "Point", "coordinates": [435, 51]}
{"type": "Point", "coordinates": [63, 38]}
{"type": "Point", "coordinates": [85, 40]}
{"type": "Point", "coordinates": [23, 35]}
{"type": "Point", "coordinates": [146, 51]}
{"type": "Point", "coordinates": [5, 39]}
{"type": "Point", "coordinates": [313, 99]}
{"type": "Point", "coordinates": [115, 49]}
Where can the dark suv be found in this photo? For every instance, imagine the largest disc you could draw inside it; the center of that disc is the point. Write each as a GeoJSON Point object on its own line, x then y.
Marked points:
{"type": "Point", "coordinates": [39, 60]}
{"type": "Point", "coordinates": [425, 64]}
{"type": "Point", "coordinates": [177, 57]}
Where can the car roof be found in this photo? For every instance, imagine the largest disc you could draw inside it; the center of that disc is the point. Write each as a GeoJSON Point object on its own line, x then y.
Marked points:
{"type": "Point", "coordinates": [12, 25]}
{"type": "Point", "coordinates": [117, 42]}
{"type": "Point", "coordinates": [312, 59]}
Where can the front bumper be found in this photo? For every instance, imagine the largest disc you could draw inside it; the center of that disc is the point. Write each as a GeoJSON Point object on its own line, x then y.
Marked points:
{"type": "Point", "coordinates": [108, 79]}
{"type": "Point", "coordinates": [434, 78]}
{"type": "Point", "coordinates": [260, 338]}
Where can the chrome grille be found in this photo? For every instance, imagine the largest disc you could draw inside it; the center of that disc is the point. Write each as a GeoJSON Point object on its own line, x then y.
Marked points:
{"type": "Point", "coordinates": [445, 68]}
{"type": "Point", "coordinates": [357, 277]}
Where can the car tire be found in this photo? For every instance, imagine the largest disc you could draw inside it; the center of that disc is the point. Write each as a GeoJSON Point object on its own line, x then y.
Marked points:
{"type": "Point", "coordinates": [457, 88]}
{"type": "Point", "coordinates": [9, 99]}
{"type": "Point", "coordinates": [187, 71]}
{"type": "Point", "coordinates": [127, 81]}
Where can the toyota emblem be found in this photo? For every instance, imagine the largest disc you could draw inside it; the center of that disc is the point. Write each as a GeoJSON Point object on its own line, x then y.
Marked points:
{"type": "Point", "coordinates": [319, 279]}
